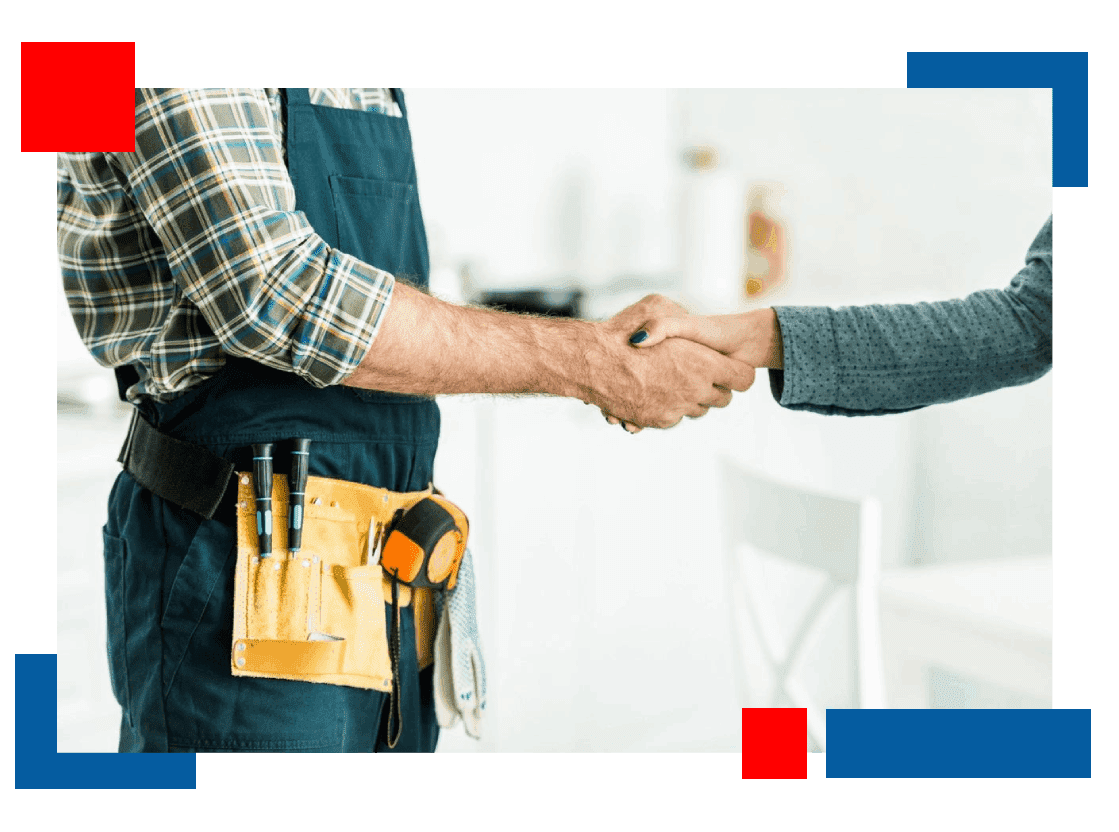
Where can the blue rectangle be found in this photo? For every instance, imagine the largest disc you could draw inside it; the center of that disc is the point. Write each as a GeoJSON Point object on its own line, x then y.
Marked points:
{"type": "Point", "coordinates": [1066, 73]}
{"type": "Point", "coordinates": [959, 743]}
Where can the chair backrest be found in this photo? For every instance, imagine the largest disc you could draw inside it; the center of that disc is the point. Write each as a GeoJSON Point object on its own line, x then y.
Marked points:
{"type": "Point", "coordinates": [796, 559]}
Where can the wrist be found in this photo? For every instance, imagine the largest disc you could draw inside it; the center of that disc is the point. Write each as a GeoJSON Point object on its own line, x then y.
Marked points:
{"type": "Point", "coordinates": [574, 364]}
{"type": "Point", "coordinates": [765, 349]}
{"type": "Point", "coordinates": [600, 366]}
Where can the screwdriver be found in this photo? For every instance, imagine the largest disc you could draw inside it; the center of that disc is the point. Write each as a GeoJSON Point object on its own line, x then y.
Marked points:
{"type": "Point", "coordinates": [300, 456]}
{"type": "Point", "coordinates": [262, 485]}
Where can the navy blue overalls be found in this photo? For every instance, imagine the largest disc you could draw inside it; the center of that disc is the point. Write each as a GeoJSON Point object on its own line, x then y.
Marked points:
{"type": "Point", "coordinates": [169, 574]}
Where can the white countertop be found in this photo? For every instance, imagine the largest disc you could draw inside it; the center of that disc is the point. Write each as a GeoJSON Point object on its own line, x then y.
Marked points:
{"type": "Point", "coordinates": [1005, 594]}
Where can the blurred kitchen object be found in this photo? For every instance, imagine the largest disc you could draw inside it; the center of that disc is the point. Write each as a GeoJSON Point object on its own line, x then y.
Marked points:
{"type": "Point", "coordinates": [767, 244]}
{"type": "Point", "coordinates": [562, 301]}
{"type": "Point", "coordinates": [556, 303]}
{"type": "Point", "coordinates": [711, 244]}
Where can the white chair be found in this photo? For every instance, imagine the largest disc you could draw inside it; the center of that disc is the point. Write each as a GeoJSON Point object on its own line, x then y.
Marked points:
{"type": "Point", "coordinates": [798, 562]}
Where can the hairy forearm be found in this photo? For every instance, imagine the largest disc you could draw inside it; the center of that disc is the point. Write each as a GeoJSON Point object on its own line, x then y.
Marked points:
{"type": "Point", "coordinates": [427, 347]}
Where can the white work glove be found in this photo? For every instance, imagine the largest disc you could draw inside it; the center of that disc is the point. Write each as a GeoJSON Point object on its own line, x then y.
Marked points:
{"type": "Point", "coordinates": [460, 673]}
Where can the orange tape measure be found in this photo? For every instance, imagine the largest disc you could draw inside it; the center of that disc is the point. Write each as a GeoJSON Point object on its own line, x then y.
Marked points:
{"type": "Point", "coordinates": [426, 544]}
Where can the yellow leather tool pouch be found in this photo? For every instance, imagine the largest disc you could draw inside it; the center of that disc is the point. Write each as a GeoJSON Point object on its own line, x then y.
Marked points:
{"type": "Point", "coordinates": [318, 615]}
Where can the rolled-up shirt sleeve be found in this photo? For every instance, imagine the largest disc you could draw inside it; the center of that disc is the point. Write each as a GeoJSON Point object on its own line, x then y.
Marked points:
{"type": "Point", "coordinates": [209, 175]}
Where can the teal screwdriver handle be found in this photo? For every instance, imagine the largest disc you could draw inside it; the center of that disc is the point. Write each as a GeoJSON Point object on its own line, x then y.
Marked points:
{"type": "Point", "coordinates": [262, 486]}
{"type": "Point", "coordinates": [300, 457]}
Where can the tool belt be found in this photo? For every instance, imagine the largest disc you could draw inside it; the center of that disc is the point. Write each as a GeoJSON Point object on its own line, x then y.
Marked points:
{"type": "Point", "coordinates": [317, 615]}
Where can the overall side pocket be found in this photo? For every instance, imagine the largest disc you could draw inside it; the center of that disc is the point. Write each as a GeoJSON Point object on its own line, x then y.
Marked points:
{"type": "Point", "coordinates": [115, 619]}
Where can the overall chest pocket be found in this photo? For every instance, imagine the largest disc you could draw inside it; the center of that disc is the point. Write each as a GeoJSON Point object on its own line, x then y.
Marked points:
{"type": "Point", "coordinates": [373, 219]}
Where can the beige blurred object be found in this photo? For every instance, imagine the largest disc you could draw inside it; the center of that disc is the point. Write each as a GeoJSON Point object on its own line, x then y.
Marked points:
{"type": "Point", "coordinates": [701, 157]}
{"type": "Point", "coordinates": [766, 240]}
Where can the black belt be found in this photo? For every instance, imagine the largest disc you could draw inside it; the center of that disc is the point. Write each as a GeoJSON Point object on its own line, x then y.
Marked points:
{"type": "Point", "coordinates": [182, 473]}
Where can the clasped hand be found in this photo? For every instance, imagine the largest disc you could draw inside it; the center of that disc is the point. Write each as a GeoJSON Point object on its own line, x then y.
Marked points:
{"type": "Point", "coordinates": [662, 364]}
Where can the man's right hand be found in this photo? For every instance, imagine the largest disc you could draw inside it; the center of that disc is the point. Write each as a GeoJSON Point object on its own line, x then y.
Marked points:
{"type": "Point", "coordinates": [427, 347]}
{"type": "Point", "coordinates": [659, 386]}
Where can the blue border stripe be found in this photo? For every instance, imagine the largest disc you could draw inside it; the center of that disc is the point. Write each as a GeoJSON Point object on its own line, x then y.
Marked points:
{"type": "Point", "coordinates": [38, 765]}
{"type": "Point", "coordinates": [959, 743]}
{"type": "Point", "coordinates": [1066, 73]}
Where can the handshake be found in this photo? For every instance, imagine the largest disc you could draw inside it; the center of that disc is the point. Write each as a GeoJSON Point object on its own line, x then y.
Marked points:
{"type": "Point", "coordinates": [657, 364]}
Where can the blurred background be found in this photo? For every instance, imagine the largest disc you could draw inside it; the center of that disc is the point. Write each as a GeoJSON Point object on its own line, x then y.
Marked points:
{"type": "Point", "coordinates": [626, 603]}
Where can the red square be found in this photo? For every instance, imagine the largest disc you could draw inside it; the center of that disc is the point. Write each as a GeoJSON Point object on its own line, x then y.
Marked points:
{"type": "Point", "coordinates": [78, 96]}
{"type": "Point", "coordinates": [774, 743]}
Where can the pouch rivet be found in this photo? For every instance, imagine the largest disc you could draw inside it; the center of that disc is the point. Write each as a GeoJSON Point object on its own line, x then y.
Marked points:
{"type": "Point", "coordinates": [315, 559]}
{"type": "Point", "coordinates": [334, 504]}
{"type": "Point", "coordinates": [385, 498]}
{"type": "Point", "coordinates": [317, 501]}
{"type": "Point", "coordinates": [277, 566]}
{"type": "Point", "coordinates": [245, 480]}
{"type": "Point", "coordinates": [242, 504]}
{"type": "Point", "coordinates": [241, 662]}
{"type": "Point", "coordinates": [241, 645]}
{"type": "Point", "coordinates": [306, 563]}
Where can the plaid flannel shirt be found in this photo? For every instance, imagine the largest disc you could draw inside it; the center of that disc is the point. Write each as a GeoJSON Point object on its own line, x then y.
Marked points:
{"type": "Point", "coordinates": [191, 248]}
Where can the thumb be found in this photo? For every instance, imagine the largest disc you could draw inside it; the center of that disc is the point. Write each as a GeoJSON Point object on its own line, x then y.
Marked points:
{"type": "Point", "coordinates": [656, 330]}
{"type": "Point", "coordinates": [699, 328]}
